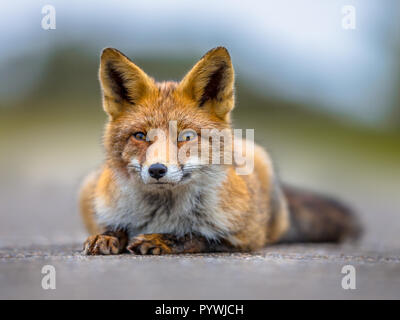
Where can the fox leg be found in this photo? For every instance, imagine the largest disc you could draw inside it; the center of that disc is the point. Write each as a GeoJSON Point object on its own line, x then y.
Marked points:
{"type": "Point", "coordinates": [164, 243]}
{"type": "Point", "coordinates": [109, 242]}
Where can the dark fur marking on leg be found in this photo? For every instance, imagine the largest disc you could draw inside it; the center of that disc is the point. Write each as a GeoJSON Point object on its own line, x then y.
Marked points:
{"type": "Point", "coordinates": [161, 243]}
{"type": "Point", "coordinates": [120, 234]}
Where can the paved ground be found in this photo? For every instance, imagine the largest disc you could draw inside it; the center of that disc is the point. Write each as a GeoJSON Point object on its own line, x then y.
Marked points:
{"type": "Point", "coordinates": [299, 271]}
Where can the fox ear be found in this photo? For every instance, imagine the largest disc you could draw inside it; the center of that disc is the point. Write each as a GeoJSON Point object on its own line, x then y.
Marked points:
{"type": "Point", "coordinates": [122, 82]}
{"type": "Point", "coordinates": [211, 82]}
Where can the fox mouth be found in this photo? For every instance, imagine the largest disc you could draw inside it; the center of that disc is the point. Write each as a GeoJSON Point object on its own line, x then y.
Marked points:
{"type": "Point", "coordinates": [161, 183]}
{"type": "Point", "coordinates": [185, 177]}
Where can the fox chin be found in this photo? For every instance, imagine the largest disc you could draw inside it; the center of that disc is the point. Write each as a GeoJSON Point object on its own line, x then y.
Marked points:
{"type": "Point", "coordinates": [164, 189]}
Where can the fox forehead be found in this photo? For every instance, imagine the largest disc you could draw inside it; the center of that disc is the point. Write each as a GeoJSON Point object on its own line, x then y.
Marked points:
{"type": "Point", "coordinates": [157, 109]}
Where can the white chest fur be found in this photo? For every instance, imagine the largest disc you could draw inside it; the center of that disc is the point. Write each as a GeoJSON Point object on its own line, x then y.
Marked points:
{"type": "Point", "coordinates": [193, 208]}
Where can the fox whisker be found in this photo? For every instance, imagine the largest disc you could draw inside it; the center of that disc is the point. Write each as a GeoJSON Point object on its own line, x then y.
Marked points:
{"type": "Point", "coordinates": [133, 167]}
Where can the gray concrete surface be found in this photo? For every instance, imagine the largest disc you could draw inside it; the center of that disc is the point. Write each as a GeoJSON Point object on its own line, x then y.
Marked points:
{"type": "Point", "coordinates": [290, 272]}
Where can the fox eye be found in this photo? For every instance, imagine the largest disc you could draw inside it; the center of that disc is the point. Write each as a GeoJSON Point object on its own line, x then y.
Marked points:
{"type": "Point", "coordinates": [187, 135]}
{"type": "Point", "coordinates": [139, 136]}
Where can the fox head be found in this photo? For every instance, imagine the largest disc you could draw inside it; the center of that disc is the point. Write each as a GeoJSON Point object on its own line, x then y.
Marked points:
{"type": "Point", "coordinates": [154, 129]}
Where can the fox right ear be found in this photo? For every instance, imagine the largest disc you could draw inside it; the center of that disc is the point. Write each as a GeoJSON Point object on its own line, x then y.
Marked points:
{"type": "Point", "coordinates": [122, 82]}
{"type": "Point", "coordinates": [210, 83]}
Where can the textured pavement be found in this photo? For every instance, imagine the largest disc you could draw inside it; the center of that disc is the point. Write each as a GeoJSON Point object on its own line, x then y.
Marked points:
{"type": "Point", "coordinates": [290, 272]}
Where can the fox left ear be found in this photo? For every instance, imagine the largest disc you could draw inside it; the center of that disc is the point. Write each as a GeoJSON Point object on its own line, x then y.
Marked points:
{"type": "Point", "coordinates": [211, 82]}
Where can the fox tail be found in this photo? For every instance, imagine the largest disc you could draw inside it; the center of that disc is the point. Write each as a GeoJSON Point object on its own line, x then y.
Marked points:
{"type": "Point", "coordinates": [317, 218]}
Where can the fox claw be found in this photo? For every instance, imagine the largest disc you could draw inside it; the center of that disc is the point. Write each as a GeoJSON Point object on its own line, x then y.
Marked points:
{"type": "Point", "coordinates": [153, 244]}
{"type": "Point", "coordinates": [101, 245]}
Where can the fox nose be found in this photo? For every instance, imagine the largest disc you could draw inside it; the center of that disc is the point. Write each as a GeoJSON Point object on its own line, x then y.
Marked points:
{"type": "Point", "coordinates": [157, 171]}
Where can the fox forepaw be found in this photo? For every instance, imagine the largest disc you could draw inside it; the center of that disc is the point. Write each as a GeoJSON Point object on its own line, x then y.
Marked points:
{"type": "Point", "coordinates": [101, 245]}
{"type": "Point", "coordinates": [154, 243]}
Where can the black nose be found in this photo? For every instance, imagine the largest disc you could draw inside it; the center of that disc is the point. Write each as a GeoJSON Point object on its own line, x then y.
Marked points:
{"type": "Point", "coordinates": [157, 170]}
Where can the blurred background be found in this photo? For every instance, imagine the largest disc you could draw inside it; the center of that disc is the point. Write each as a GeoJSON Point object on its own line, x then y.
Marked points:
{"type": "Point", "coordinates": [324, 100]}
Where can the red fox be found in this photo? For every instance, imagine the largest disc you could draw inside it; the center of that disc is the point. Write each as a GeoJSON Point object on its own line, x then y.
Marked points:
{"type": "Point", "coordinates": [144, 201]}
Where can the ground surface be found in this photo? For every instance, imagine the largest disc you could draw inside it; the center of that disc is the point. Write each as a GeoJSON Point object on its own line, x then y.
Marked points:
{"type": "Point", "coordinates": [299, 271]}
